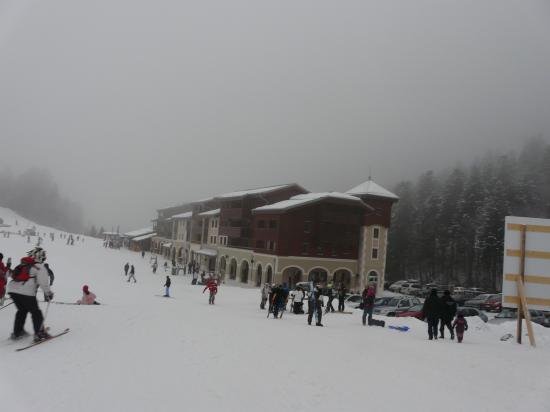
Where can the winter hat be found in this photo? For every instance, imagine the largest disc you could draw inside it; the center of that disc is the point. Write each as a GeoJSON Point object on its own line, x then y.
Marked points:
{"type": "Point", "coordinates": [85, 288]}
{"type": "Point", "coordinates": [38, 254]}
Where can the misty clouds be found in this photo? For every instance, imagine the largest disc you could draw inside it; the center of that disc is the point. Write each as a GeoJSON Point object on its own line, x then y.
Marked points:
{"type": "Point", "coordinates": [135, 105]}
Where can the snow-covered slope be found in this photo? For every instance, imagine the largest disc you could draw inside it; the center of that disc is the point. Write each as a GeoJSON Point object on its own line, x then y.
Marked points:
{"type": "Point", "coordinates": [140, 352]}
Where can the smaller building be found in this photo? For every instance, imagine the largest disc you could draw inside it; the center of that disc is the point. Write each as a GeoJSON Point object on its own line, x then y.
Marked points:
{"type": "Point", "coordinates": [140, 240]}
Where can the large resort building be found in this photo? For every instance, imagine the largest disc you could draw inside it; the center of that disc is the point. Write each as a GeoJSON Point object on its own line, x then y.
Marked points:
{"type": "Point", "coordinates": [282, 234]}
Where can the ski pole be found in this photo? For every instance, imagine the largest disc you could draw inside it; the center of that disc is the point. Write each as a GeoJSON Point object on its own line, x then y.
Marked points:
{"type": "Point", "coordinates": [6, 305]}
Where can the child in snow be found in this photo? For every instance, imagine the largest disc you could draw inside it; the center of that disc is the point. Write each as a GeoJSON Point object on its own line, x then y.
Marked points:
{"type": "Point", "coordinates": [88, 298]}
{"type": "Point", "coordinates": [460, 325]}
{"type": "Point", "coordinates": [212, 286]}
{"type": "Point", "coordinates": [167, 286]}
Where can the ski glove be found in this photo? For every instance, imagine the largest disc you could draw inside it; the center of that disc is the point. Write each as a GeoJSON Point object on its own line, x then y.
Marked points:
{"type": "Point", "coordinates": [48, 296]}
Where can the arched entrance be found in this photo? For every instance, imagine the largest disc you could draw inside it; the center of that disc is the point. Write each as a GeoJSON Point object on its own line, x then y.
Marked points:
{"type": "Point", "coordinates": [245, 268]}
{"type": "Point", "coordinates": [269, 275]}
{"type": "Point", "coordinates": [318, 275]}
{"type": "Point", "coordinates": [372, 277]}
{"type": "Point", "coordinates": [342, 277]}
{"type": "Point", "coordinates": [292, 275]}
{"type": "Point", "coordinates": [259, 275]}
{"type": "Point", "coordinates": [233, 269]}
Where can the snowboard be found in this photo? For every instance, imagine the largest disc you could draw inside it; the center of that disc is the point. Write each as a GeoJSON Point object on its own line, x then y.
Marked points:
{"type": "Point", "coordinates": [399, 328]}
{"type": "Point", "coordinates": [43, 341]}
{"type": "Point", "coordinates": [376, 322]}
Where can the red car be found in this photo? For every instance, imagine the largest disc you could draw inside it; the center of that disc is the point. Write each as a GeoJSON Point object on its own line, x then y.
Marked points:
{"type": "Point", "coordinates": [493, 304]}
{"type": "Point", "coordinates": [414, 312]}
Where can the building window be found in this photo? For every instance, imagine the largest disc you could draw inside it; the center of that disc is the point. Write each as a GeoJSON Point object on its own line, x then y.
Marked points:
{"type": "Point", "coordinates": [272, 224]}
{"type": "Point", "coordinates": [305, 248]}
{"type": "Point", "coordinates": [260, 244]}
{"type": "Point", "coordinates": [307, 226]}
{"type": "Point", "coordinates": [376, 233]}
{"type": "Point", "coordinates": [374, 254]}
{"type": "Point", "coordinates": [271, 245]}
{"type": "Point", "coordinates": [261, 223]}
{"type": "Point", "coordinates": [320, 250]}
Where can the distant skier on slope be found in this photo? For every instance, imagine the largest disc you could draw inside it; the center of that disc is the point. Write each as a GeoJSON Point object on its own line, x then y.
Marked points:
{"type": "Point", "coordinates": [27, 277]}
{"type": "Point", "coordinates": [212, 286]}
{"type": "Point", "coordinates": [88, 298]}
{"type": "Point", "coordinates": [167, 287]}
{"type": "Point", "coordinates": [132, 274]}
{"type": "Point", "coordinates": [126, 269]}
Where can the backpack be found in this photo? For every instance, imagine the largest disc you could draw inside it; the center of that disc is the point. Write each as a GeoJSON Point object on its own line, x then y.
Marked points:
{"type": "Point", "coordinates": [21, 273]}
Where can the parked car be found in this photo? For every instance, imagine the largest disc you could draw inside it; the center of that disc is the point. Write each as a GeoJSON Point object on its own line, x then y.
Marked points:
{"type": "Point", "coordinates": [413, 289]}
{"type": "Point", "coordinates": [493, 304]}
{"type": "Point", "coordinates": [478, 290]}
{"type": "Point", "coordinates": [507, 314]}
{"type": "Point", "coordinates": [397, 304]}
{"type": "Point", "coordinates": [382, 301]}
{"type": "Point", "coordinates": [479, 300]}
{"type": "Point", "coordinates": [413, 312]}
{"type": "Point", "coordinates": [396, 286]}
{"type": "Point", "coordinates": [354, 301]}
{"type": "Point", "coordinates": [469, 312]}
{"type": "Point", "coordinates": [461, 298]}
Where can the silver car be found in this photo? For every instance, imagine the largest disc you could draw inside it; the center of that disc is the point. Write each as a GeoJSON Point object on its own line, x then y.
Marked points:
{"type": "Point", "coordinates": [397, 304]}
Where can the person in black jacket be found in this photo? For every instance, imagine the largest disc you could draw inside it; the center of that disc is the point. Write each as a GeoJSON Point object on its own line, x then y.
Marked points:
{"type": "Point", "coordinates": [341, 298]}
{"type": "Point", "coordinates": [315, 306]}
{"type": "Point", "coordinates": [448, 312]}
{"type": "Point", "coordinates": [167, 286]}
{"type": "Point", "coordinates": [330, 295]}
{"type": "Point", "coordinates": [432, 312]}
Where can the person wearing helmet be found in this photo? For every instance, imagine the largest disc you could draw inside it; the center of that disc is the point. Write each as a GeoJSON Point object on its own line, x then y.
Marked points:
{"type": "Point", "coordinates": [27, 277]}
{"type": "Point", "coordinates": [88, 298]}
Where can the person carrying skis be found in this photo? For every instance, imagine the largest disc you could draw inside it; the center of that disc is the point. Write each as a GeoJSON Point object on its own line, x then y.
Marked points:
{"type": "Point", "coordinates": [315, 306]}
{"type": "Point", "coordinates": [167, 287]}
{"type": "Point", "coordinates": [132, 274]}
{"type": "Point", "coordinates": [27, 277]}
{"type": "Point", "coordinates": [212, 286]}
{"type": "Point", "coordinates": [432, 312]}
{"type": "Point", "coordinates": [341, 298]}
{"type": "Point", "coordinates": [88, 298]}
{"type": "Point", "coordinates": [126, 269]}
{"type": "Point", "coordinates": [330, 295]}
{"type": "Point", "coordinates": [4, 270]}
{"type": "Point", "coordinates": [368, 295]}
{"type": "Point", "coordinates": [460, 325]}
{"type": "Point", "coordinates": [448, 312]}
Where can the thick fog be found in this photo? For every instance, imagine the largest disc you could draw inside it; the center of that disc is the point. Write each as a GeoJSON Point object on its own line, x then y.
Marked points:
{"type": "Point", "coordinates": [134, 105]}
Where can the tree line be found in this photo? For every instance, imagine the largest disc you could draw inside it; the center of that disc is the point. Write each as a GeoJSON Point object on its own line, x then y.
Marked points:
{"type": "Point", "coordinates": [448, 227]}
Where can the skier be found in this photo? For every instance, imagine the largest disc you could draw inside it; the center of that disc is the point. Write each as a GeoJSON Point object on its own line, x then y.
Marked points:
{"type": "Point", "coordinates": [266, 290]}
{"type": "Point", "coordinates": [460, 325]}
{"type": "Point", "coordinates": [341, 298]}
{"type": "Point", "coordinates": [50, 273]}
{"type": "Point", "coordinates": [167, 286]}
{"type": "Point", "coordinates": [448, 312]}
{"type": "Point", "coordinates": [212, 286]}
{"type": "Point", "coordinates": [369, 295]}
{"type": "Point", "coordinates": [155, 266]}
{"type": "Point", "coordinates": [315, 305]}
{"type": "Point", "coordinates": [132, 274]}
{"type": "Point", "coordinates": [88, 298]}
{"type": "Point", "coordinates": [27, 277]}
{"type": "Point", "coordinates": [330, 295]}
{"type": "Point", "coordinates": [4, 270]}
{"type": "Point", "coordinates": [432, 311]}
{"type": "Point", "coordinates": [126, 269]}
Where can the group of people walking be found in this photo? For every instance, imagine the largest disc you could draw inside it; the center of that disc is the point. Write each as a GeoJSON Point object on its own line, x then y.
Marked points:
{"type": "Point", "coordinates": [442, 311]}
{"type": "Point", "coordinates": [130, 272]}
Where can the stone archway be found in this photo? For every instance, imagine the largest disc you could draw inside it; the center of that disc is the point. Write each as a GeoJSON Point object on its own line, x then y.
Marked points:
{"type": "Point", "coordinates": [373, 277]}
{"type": "Point", "coordinates": [342, 277]}
{"type": "Point", "coordinates": [269, 275]}
{"type": "Point", "coordinates": [259, 275]}
{"type": "Point", "coordinates": [318, 275]}
{"type": "Point", "coordinates": [245, 269]}
{"type": "Point", "coordinates": [233, 269]}
{"type": "Point", "coordinates": [292, 275]}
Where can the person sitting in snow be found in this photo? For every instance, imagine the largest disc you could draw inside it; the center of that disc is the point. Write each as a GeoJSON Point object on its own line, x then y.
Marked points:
{"type": "Point", "coordinates": [88, 298]}
{"type": "Point", "coordinates": [460, 325]}
{"type": "Point", "coordinates": [212, 286]}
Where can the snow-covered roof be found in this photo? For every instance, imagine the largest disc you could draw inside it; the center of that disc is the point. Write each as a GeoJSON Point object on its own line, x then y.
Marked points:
{"type": "Point", "coordinates": [301, 200]}
{"type": "Point", "coordinates": [139, 232]}
{"type": "Point", "coordinates": [207, 252]}
{"type": "Point", "coordinates": [144, 237]}
{"type": "Point", "coordinates": [111, 233]}
{"type": "Point", "coordinates": [372, 189]}
{"type": "Point", "coordinates": [257, 191]}
{"type": "Point", "coordinates": [213, 212]}
{"type": "Point", "coordinates": [185, 215]}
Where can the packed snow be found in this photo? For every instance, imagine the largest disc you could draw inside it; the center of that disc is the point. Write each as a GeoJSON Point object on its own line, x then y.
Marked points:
{"type": "Point", "coordinates": [138, 351]}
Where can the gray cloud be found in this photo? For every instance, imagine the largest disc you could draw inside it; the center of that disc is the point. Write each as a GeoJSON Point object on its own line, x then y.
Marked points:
{"type": "Point", "coordinates": [134, 105]}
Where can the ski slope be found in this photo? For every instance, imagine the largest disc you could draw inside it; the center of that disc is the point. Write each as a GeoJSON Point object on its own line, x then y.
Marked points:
{"type": "Point", "coordinates": [141, 352]}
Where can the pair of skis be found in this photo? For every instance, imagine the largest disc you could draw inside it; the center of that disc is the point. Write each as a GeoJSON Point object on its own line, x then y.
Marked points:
{"type": "Point", "coordinates": [32, 345]}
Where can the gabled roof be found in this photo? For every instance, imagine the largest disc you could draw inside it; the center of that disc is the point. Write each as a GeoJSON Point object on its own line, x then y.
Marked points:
{"type": "Point", "coordinates": [372, 189]}
{"type": "Point", "coordinates": [144, 237]}
{"type": "Point", "coordinates": [139, 232]}
{"type": "Point", "coordinates": [213, 212]}
{"type": "Point", "coordinates": [308, 198]}
{"type": "Point", "coordinates": [257, 191]}
{"type": "Point", "coordinates": [185, 215]}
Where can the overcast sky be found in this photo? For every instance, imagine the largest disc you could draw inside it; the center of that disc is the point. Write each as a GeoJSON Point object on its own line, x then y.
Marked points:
{"type": "Point", "coordinates": [135, 105]}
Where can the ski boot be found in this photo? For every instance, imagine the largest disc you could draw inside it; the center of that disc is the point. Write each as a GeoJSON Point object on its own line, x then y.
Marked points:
{"type": "Point", "coordinates": [20, 335]}
{"type": "Point", "coordinates": [42, 335]}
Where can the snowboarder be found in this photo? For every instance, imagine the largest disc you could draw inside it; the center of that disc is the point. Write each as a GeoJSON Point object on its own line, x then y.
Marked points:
{"type": "Point", "coordinates": [132, 274]}
{"type": "Point", "coordinates": [88, 298]}
{"type": "Point", "coordinates": [167, 287]}
{"type": "Point", "coordinates": [155, 266]}
{"type": "Point", "coordinates": [369, 295]}
{"type": "Point", "coordinates": [330, 295]}
{"type": "Point", "coordinates": [315, 306]}
{"type": "Point", "coordinates": [432, 312]}
{"type": "Point", "coordinates": [460, 325]}
{"type": "Point", "coordinates": [448, 312]}
{"type": "Point", "coordinates": [212, 286]}
{"type": "Point", "coordinates": [50, 273]}
{"type": "Point", "coordinates": [4, 270]}
{"type": "Point", "coordinates": [266, 290]}
{"type": "Point", "coordinates": [27, 277]}
{"type": "Point", "coordinates": [126, 269]}
{"type": "Point", "coordinates": [341, 298]}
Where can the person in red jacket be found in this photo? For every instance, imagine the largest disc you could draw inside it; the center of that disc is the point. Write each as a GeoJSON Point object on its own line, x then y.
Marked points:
{"type": "Point", "coordinates": [3, 278]}
{"type": "Point", "coordinates": [212, 286]}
